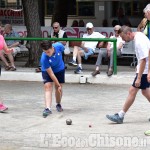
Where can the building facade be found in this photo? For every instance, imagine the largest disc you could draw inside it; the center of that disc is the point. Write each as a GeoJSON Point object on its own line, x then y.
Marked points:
{"type": "Point", "coordinates": [100, 12]}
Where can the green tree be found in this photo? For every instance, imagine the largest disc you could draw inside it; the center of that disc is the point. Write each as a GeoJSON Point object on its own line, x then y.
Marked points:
{"type": "Point", "coordinates": [32, 23]}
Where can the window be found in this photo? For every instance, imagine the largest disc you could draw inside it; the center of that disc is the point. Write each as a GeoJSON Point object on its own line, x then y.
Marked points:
{"type": "Point", "coordinates": [86, 9]}
{"type": "Point", "coordinates": [131, 8]}
{"type": "Point", "coordinates": [2, 4]}
{"type": "Point", "coordinates": [15, 4]}
{"type": "Point", "coordinates": [74, 8]}
{"type": "Point", "coordinates": [49, 5]}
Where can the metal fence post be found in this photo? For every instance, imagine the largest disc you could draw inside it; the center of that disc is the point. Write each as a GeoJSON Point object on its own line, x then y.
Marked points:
{"type": "Point", "coordinates": [115, 57]}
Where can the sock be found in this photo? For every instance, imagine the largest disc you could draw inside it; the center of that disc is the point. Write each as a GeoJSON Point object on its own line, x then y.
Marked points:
{"type": "Point", "coordinates": [121, 114]}
{"type": "Point", "coordinates": [74, 58]}
{"type": "Point", "coordinates": [49, 108]}
{"type": "Point", "coordinates": [80, 66]}
{"type": "Point", "coordinates": [97, 68]}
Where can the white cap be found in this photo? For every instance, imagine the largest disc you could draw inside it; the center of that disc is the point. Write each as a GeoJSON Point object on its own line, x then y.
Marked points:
{"type": "Point", "coordinates": [89, 25]}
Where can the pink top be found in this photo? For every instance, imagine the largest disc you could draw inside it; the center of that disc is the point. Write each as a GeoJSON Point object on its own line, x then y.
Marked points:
{"type": "Point", "coordinates": [1, 42]}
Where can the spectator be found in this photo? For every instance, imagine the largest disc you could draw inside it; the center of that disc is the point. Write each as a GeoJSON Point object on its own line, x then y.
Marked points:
{"type": "Point", "coordinates": [109, 53]}
{"type": "Point", "coordinates": [4, 47]}
{"type": "Point", "coordinates": [14, 44]}
{"type": "Point", "coordinates": [86, 49]}
{"type": "Point", "coordinates": [142, 25]}
{"type": "Point", "coordinates": [75, 23]}
{"type": "Point", "coordinates": [142, 48]}
{"type": "Point", "coordinates": [122, 18]}
{"type": "Point", "coordinates": [81, 23]}
{"type": "Point", "coordinates": [57, 32]}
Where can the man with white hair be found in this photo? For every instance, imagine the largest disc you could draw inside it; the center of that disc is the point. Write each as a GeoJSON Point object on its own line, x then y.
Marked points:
{"type": "Point", "coordinates": [109, 53]}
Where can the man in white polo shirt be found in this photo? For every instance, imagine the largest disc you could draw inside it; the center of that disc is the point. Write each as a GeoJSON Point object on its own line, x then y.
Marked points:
{"type": "Point", "coordinates": [86, 49]}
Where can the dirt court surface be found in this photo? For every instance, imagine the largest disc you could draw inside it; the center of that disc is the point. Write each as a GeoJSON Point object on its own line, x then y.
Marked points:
{"type": "Point", "coordinates": [24, 128]}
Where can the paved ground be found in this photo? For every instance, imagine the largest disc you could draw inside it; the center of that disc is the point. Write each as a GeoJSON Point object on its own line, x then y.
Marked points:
{"type": "Point", "coordinates": [23, 127]}
{"type": "Point", "coordinates": [124, 75]}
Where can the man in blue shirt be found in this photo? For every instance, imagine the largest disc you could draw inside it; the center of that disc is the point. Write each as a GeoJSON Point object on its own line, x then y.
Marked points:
{"type": "Point", "coordinates": [53, 70]}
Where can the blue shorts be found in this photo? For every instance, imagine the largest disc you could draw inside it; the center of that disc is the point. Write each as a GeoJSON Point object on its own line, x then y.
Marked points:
{"type": "Point", "coordinates": [144, 83]}
{"type": "Point", "coordinates": [87, 54]}
{"type": "Point", "coordinates": [59, 75]}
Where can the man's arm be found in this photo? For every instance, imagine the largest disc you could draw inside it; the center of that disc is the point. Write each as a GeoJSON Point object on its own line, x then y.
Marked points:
{"type": "Point", "coordinates": [53, 77]}
{"type": "Point", "coordinates": [148, 76]}
{"type": "Point", "coordinates": [120, 46]}
{"type": "Point", "coordinates": [14, 45]}
{"type": "Point", "coordinates": [83, 47]}
{"type": "Point", "coordinates": [16, 42]}
{"type": "Point", "coordinates": [6, 49]}
{"type": "Point", "coordinates": [64, 36]}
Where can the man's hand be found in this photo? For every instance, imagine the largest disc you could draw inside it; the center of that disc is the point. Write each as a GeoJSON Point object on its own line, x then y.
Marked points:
{"type": "Point", "coordinates": [148, 77]}
{"type": "Point", "coordinates": [138, 82]}
{"type": "Point", "coordinates": [85, 49]}
{"type": "Point", "coordinates": [8, 51]}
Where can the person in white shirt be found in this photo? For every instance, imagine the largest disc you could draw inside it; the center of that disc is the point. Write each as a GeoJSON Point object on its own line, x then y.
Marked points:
{"type": "Point", "coordinates": [109, 53]}
{"type": "Point", "coordinates": [86, 49]}
{"type": "Point", "coordinates": [142, 48]}
{"type": "Point", "coordinates": [147, 15]}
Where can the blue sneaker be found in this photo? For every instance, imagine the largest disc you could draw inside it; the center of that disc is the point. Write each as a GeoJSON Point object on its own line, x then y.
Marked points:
{"type": "Point", "coordinates": [72, 63]}
{"type": "Point", "coordinates": [115, 118]}
{"type": "Point", "coordinates": [78, 71]}
{"type": "Point", "coordinates": [59, 108]}
{"type": "Point", "coordinates": [46, 112]}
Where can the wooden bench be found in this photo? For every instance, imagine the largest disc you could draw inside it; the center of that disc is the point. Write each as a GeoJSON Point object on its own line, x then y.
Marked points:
{"type": "Point", "coordinates": [24, 52]}
{"type": "Point", "coordinates": [126, 52]}
{"type": "Point", "coordinates": [77, 43]}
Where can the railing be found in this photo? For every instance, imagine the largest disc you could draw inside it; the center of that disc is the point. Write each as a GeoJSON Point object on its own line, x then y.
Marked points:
{"type": "Point", "coordinates": [114, 40]}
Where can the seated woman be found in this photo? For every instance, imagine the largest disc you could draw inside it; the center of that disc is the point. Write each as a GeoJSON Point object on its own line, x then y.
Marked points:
{"type": "Point", "coordinates": [109, 53]}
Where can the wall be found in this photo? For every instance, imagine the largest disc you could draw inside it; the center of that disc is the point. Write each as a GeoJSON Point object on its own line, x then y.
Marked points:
{"type": "Point", "coordinates": [102, 11]}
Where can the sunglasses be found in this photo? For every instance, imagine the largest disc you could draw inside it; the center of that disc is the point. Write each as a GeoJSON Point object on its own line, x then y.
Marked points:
{"type": "Point", "coordinates": [55, 27]}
